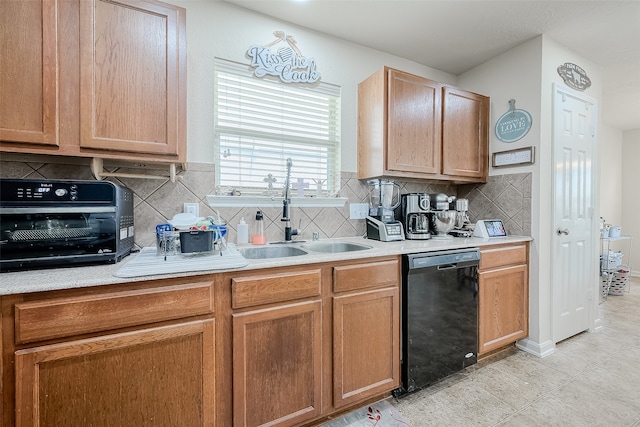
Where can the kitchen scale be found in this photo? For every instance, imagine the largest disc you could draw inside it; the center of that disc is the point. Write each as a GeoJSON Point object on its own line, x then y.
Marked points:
{"type": "Point", "coordinates": [461, 232]}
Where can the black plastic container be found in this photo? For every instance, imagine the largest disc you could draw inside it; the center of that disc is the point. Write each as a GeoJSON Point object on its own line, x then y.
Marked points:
{"type": "Point", "coordinates": [196, 241]}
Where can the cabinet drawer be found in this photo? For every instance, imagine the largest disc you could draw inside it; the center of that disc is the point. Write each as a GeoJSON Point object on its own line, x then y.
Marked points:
{"type": "Point", "coordinates": [369, 275]}
{"type": "Point", "coordinates": [258, 290]}
{"type": "Point", "coordinates": [68, 316]}
{"type": "Point", "coordinates": [501, 256]}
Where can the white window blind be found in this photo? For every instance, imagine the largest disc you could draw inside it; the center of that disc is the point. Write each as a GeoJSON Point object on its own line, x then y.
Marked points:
{"type": "Point", "coordinates": [259, 123]}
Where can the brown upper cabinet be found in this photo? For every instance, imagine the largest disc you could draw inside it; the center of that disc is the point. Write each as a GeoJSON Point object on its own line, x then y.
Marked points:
{"type": "Point", "coordinates": [413, 127]}
{"type": "Point", "coordinates": [97, 79]}
{"type": "Point", "coordinates": [28, 101]}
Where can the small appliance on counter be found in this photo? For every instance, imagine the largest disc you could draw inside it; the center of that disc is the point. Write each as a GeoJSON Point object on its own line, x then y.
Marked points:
{"type": "Point", "coordinates": [381, 222]}
{"type": "Point", "coordinates": [442, 218]}
{"type": "Point", "coordinates": [487, 228]}
{"type": "Point", "coordinates": [56, 223]}
{"type": "Point", "coordinates": [416, 208]}
{"type": "Point", "coordinates": [463, 226]}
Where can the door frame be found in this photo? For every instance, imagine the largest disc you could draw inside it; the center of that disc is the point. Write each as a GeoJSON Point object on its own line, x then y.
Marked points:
{"type": "Point", "coordinates": [592, 315]}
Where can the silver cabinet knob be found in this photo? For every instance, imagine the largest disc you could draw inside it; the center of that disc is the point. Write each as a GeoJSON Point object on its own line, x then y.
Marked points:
{"type": "Point", "coordinates": [560, 232]}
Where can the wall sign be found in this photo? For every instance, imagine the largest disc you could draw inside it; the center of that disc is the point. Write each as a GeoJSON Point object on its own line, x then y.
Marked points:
{"type": "Point", "coordinates": [287, 63]}
{"type": "Point", "coordinates": [514, 124]}
{"type": "Point", "coordinates": [520, 156]}
{"type": "Point", "coordinates": [574, 76]}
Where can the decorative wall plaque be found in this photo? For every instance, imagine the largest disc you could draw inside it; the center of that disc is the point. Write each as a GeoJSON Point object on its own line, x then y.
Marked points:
{"type": "Point", "coordinates": [519, 156]}
{"type": "Point", "coordinates": [574, 76]}
{"type": "Point", "coordinates": [287, 63]}
{"type": "Point", "coordinates": [514, 124]}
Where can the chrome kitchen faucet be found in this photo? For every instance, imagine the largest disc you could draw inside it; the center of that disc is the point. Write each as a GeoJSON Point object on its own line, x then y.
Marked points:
{"type": "Point", "coordinates": [288, 231]}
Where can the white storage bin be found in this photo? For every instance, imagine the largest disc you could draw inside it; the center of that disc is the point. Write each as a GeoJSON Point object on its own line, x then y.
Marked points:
{"type": "Point", "coordinates": [615, 231]}
{"type": "Point", "coordinates": [612, 260]}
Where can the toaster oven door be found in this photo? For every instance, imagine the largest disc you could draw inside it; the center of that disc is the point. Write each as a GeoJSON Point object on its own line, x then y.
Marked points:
{"type": "Point", "coordinates": [56, 236]}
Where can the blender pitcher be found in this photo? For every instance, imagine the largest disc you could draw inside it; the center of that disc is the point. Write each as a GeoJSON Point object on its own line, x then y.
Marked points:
{"type": "Point", "coordinates": [374, 197]}
{"type": "Point", "coordinates": [384, 197]}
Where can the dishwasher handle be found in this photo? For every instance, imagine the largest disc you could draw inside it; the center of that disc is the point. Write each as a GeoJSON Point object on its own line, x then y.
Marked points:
{"type": "Point", "coordinates": [447, 266]}
{"type": "Point", "coordinates": [456, 258]}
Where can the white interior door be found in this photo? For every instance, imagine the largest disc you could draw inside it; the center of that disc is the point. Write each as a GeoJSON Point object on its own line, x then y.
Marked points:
{"type": "Point", "coordinates": [572, 259]}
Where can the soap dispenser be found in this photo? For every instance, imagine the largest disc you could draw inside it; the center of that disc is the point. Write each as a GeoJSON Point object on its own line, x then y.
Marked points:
{"type": "Point", "coordinates": [243, 232]}
{"type": "Point", "coordinates": [259, 238]}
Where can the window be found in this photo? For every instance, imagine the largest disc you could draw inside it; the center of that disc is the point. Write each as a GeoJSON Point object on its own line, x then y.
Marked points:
{"type": "Point", "coordinates": [259, 123]}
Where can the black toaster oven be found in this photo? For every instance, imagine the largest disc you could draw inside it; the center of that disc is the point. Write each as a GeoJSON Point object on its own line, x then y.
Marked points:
{"type": "Point", "coordinates": [57, 223]}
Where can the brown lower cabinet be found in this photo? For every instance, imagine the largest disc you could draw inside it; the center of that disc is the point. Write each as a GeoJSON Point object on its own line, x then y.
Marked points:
{"type": "Point", "coordinates": [154, 376]}
{"type": "Point", "coordinates": [283, 346]}
{"type": "Point", "coordinates": [311, 341]}
{"type": "Point", "coordinates": [503, 296]}
{"type": "Point", "coordinates": [277, 365]}
{"type": "Point", "coordinates": [366, 338]}
{"type": "Point", "coordinates": [122, 355]}
{"type": "Point", "coordinates": [366, 330]}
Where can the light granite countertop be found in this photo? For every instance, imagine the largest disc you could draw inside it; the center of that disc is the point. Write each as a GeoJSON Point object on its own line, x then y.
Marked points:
{"type": "Point", "coordinates": [102, 275]}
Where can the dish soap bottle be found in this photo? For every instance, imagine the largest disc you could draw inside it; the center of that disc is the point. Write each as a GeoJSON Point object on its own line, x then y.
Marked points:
{"type": "Point", "coordinates": [243, 232]}
{"type": "Point", "coordinates": [259, 238]}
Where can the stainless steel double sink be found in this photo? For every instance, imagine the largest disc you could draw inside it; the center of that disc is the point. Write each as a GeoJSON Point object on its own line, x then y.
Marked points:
{"type": "Point", "coordinates": [294, 249]}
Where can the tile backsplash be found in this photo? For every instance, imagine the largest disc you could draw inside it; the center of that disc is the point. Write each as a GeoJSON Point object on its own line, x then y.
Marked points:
{"type": "Point", "coordinates": [506, 197]}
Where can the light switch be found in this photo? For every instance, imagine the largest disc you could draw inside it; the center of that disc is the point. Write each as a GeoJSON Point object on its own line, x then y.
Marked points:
{"type": "Point", "coordinates": [192, 208]}
{"type": "Point", "coordinates": [358, 210]}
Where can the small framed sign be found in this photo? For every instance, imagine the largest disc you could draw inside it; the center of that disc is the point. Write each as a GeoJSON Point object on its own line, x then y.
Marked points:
{"type": "Point", "coordinates": [519, 156]}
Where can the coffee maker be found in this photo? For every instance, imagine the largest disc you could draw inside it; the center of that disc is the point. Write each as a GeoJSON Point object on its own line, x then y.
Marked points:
{"type": "Point", "coordinates": [416, 208]}
{"type": "Point", "coordinates": [381, 222]}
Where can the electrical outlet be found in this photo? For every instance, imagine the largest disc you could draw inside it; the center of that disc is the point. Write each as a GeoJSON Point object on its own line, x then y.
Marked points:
{"type": "Point", "coordinates": [192, 208]}
{"type": "Point", "coordinates": [358, 210]}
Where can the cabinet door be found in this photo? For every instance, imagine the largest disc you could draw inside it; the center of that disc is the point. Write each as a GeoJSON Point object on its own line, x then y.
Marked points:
{"type": "Point", "coordinates": [465, 134]}
{"type": "Point", "coordinates": [132, 76]}
{"type": "Point", "coordinates": [414, 124]}
{"type": "Point", "coordinates": [503, 303]}
{"type": "Point", "coordinates": [28, 92]}
{"type": "Point", "coordinates": [277, 365]}
{"type": "Point", "coordinates": [160, 376]}
{"type": "Point", "coordinates": [366, 345]}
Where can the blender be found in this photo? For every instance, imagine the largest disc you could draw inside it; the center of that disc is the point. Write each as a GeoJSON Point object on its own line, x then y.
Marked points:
{"type": "Point", "coordinates": [381, 222]}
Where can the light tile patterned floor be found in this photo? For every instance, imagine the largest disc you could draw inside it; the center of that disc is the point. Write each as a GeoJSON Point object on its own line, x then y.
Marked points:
{"type": "Point", "coordinates": [592, 379]}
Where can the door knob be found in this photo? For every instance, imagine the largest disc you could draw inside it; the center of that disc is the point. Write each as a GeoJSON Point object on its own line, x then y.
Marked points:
{"type": "Point", "coordinates": [560, 232]}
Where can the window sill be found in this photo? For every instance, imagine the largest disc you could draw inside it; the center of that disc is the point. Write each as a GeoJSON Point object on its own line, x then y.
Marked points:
{"type": "Point", "coordinates": [274, 201]}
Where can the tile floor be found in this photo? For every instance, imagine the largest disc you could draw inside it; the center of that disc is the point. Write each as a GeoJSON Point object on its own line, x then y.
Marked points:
{"type": "Point", "coordinates": [592, 379]}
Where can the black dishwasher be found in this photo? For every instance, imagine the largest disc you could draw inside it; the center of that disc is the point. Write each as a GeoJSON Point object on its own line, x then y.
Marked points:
{"type": "Point", "coordinates": [439, 316]}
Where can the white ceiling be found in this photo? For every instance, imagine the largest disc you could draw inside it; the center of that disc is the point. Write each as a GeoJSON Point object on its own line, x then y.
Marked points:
{"type": "Point", "coordinates": [455, 36]}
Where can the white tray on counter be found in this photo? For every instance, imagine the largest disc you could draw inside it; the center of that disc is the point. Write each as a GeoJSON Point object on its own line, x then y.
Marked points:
{"type": "Point", "coordinates": [148, 262]}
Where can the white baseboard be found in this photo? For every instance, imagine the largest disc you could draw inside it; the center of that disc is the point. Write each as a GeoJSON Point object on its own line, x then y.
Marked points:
{"type": "Point", "coordinates": [538, 349]}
